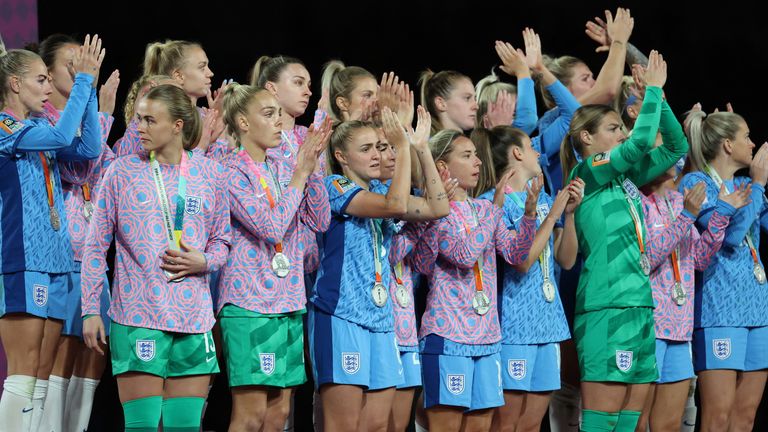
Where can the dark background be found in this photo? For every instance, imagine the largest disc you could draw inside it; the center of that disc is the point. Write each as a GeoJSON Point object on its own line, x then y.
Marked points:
{"type": "Point", "coordinates": [715, 55]}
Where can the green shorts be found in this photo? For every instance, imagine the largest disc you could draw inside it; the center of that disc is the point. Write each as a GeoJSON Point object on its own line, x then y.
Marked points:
{"type": "Point", "coordinates": [264, 350]}
{"type": "Point", "coordinates": [161, 353]}
{"type": "Point", "coordinates": [616, 345]}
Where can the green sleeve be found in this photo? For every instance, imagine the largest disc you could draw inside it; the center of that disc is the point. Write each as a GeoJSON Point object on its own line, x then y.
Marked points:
{"type": "Point", "coordinates": [660, 159]}
{"type": "Point", "coordinates": [599, 169]}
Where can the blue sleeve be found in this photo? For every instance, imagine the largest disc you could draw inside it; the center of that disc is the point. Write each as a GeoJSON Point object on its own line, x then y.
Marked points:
{"type": "Point", "coordinates": [41, 137]}
{"type": "Point", "coordinates": [740, 222]}
{"type": "Point", "coordinates": [341, 190]}
{"type": "Point", "coordinates": [552, 135]}
{"type": "Point", "coordinates": [88, 144]}
{"type": "Point", "coordinates": [525, 112]}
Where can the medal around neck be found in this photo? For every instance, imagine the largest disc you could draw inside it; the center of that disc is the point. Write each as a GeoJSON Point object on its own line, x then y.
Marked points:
{"type": "Point", "coordinates": [481, 303]}
{"type": "Point", "coordinates": [87, 210]}
{"type": "Point", "coordinates": [549, 291]}
{"type": "Point", "coordinates": [645, 264]}
{"type": "Point", "coordinates": [281, 266]}
{"type": "Point", "coordinates": [401, 294]}
{"type": "Point", "coordinates": [759, 273]}
{"type": "Point", "coordinates": [379, 294]}
{"type": "Point", "coordinates": [678, 294]}
{"type": "Point", "coordinates": [55, 219]}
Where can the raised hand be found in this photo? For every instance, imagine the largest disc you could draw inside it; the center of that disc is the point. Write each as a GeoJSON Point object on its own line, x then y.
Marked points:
{"type": "Point", "coordinates": [533, 57]}
{"type": "Point", "coordinates": [501, 112]}
{"type": "Point", "coordinates": [513, 60]}
{"type": "Point", "coordinates": [405, 105]}
{"type": "Point", "coordinates": [501, 187]}
{"type": "Point", "coordinates": [758, 169]}
{"type": "Point", "coordinates": [738, 198]}
{"type": "Point", "coordinates": [596, 30]}
{"type": "Point", "coordinates": [213, 127]}
{"type": "Point", "coordinates": [387, 95]}
{"type": "Point", "coordinates": [89, 56]}
{"type": "Point", "coordinates": [216, 100]}
{"type": "Point", "coordinates": [532, 200]}
{"type": "Point", "coordinates": [694, 197]}
{"type": "Point", "coordinates": [365, 111]}
{"type": "Point", "coordinates": [393, 130]}
{"type": "Point", "coordinates": [108, 93]}
{"type": "Point", "coordinates": [619, 28]}
{"type": "Point", "coordinates": [420, 136]}
{"type": "Point", "coordinates": [575, 195]}
{"type": "Point", "coordinates": [656, 73]}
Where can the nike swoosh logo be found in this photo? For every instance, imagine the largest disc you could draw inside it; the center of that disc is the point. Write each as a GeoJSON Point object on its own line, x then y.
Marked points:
{"type": "Point", "coordinates": [24, 410]}
{"type": "Point", "coordinates": [658, 225]}
{"type": "Point", "coordinates": [208, 359]}
{"type": "Point", "coordinates": [685, 422]}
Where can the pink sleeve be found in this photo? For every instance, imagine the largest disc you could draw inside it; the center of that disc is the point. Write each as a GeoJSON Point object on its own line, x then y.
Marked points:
{"type": "Point", "coordinates": [253, 211]}
{"type": "Point", "coordinates": [130, 142]}
{"type": "Point", "coordinates": [513, 246]}
{"type": "Point", "coordinates": [464, 249]}
{"type": "Point", "coordinates": [661, 245]}
{"type": "Point", "coordinates": [315, 210]}
{"type": "Point", "coordinates": [80, 172]}
{"type": "Point", "coordinates": [100, 232]}
{"type": "Point", "coordinates": [425, 252]}
{"type": "Point", "coordinates": [220, 237]}
{"type": "Point", "coordinates": [404, 242]}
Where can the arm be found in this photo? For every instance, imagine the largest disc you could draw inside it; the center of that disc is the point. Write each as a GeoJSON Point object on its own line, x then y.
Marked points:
{"type": "Point", "coordinates": [622, 158]}
{"type": "Point", "coordinates": [250, 206]}
{"type": "Point", "coordinates": [658, 160]}
{"type": "Point", "coordinates": [130, 142]}
{"type": "Point", "coordinates": [220, 235]}
{"type": "Point", "coordinates": [525, 111]}
{"type": "Point", "coordinates": [552, 136]}
{"type": "Point", "coordinates": [660, 246]}
{"type": "Point", "coordinates": [513, 246]}
{"type": "Point", "coordinates": [315, 211]}
{"type": "Point", "coordinates": [608, 82]}
{"type": "Point", "coordinates": [434, 204]}
{"type": "Point", "coordinates": [41, 138]}
{"type": "Point", "coordinates": [100, 232]}
{"type": "Point", "coordinates": [78, 173]}
{"type": "Point", "coordinates": [404, 242]}
{"type": "Point", "coordinates": [463, 249]}
{"type": "Point", "coordinates": [540, 241]}
{"type": "Point", "coordinates": [88, 144]}
{"type": "Point", "coordinates": [707, 245]}
{"type": "Point", "coordinates": [425, 252]}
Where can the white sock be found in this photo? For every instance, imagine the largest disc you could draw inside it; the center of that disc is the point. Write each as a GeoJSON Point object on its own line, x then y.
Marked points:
{"type": "Point", "coordinates": [689, 414]}
{"type": "Point", "coordinates": [53, 411]}
{"type": "Point", "coordinates": [80, 404]}
{"type": "Point", "coordinates": [565, 409]}
{"type": "Point", "coordinates": [38, 403]}
{"type": "Point", "coordinates": [419, 428]}
{"type": "Point", "coordinates": [73, 392]}
{"type": "Point", "coordinates": [16, 403]}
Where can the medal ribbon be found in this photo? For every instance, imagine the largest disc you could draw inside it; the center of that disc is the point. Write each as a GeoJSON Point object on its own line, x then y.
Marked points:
{"type": "Point", "coordinates": [477, 269]}
{"type": "Point", "coordinates": [676, 252]}
{"type": "Point", "coordinates": [377, 244]}
{"type": "Point", "coordinates": [267, 190]}
{"type": "Point", "coordinates": [175, 230]}
{"type": "Point", "coordinates": [636, 220]}
{"type": "Point", "coordinates": [48, 180]}
{"type": "Point", "coordinates": [399, 273]}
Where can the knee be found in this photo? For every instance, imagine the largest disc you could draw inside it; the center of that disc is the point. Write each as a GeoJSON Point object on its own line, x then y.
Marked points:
{"type": "Point", "coordinates": [251, 420]}
{"type": "Point", "coordinates": [277, 416]}
{"type": "Point", "coordinates": [717, 419]}
{"type": "Point", "coordinates": [508, 426]}
{"type": "Point", "coordinates": [23, 361]}
{"type": "Point", "coordinates": [529, 426]}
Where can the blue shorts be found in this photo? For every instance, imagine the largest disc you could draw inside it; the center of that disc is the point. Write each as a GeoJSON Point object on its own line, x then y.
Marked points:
{"type": "Point", "coordinates": [73, 324]}
{"type": "Point", "coordinates": [736, 348]}
{"type": "Point", "coordinates": [345, 353]}
{"type": "Point", "coordinates": [531, 368]}
{"type": "Point", "coordinates": [411, 361]}
{"type": "Point", "coordinates": [43, 295]}
{"type": "Point", "coordinates": [674, 360]}
{"type": "Point", "coordinates": [470, 382]}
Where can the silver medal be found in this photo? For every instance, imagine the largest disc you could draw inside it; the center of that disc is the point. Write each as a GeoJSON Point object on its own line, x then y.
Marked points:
{"type": "Point", "coordinates": [549, 291]}
{"type": "Point", "coordinates": [645, 264]}
{"type": "Point", "coordinates": [401, 294]}
{"type": "Point", "coordinates": [379, 294]}
{"type": "Point", "coordinates": [678, 294]}
{"type": "Point", "coordinates": [481, 303]}
{"type": "Point", "coordinates": [55, 219]}
{"type": "Point", "coordinates": [171, 275]}
{"type": "Point", "coordinates": [280, 265]}
{"type": "Point", "coordinates": [87, 211]}
{"type": "Point", "coordinates": [759, 273]}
